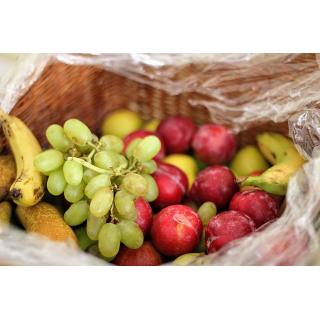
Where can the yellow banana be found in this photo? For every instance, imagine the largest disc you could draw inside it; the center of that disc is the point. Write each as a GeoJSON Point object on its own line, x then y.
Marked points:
{"type": "Point", "coordinates": [281, 152]}
{"type": "Point", "coordinates": [28, 187]}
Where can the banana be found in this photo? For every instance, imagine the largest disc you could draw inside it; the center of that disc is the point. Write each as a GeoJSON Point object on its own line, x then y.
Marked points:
{"type": "Point", "coordinates": [286, 160]}
{"type": "Point", "coordinates": [28, 187]}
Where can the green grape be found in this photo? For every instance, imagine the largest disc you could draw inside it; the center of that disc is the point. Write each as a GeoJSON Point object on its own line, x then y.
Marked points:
{"type": "Point", "coordinates": [109, 240]}
{"type": "Point", "coordinates": [94, 225]}
{"type": "Point", "coordinates": [74, 193]}
{"type": "Point", "coordinates": [84, 241]}
{"type": "Point", "coordinates": [77, 132]}
{"type": "Point", "coordinates": [96, 183]}
{"type": "Point", "coordinates": [149, 167]}
{"type": "Point", "coordinates": [201, 247]}
{"type": "Point", "coordinates": [132, 145]}
{"type": "Point", "coordinates": [77, 213]}
{"type": "Point", "coordinates": [88, 174]}
{"type": "Point", "coordinates": [57, 138]}
{"type": "Point", "coordinates": [73, 172]}
{"type": "Point", "coordinates": [113, 143]}
{"type": "Point", "coordinates": [152, 190]}
{"type": "Point", "coordinates": [48, 160]}
{"type": "Point", "coordinates": [135, 184]}
{"type": "Point", "coordinates": [147, 148]}
{"type": "Point", "coordinates": [122, 162]}
{"type": "Point", "coordinates": [94, 250]}
{"type": "Point", "coordinates": [56, 182]}
{"type": "Point", "coordinates": [206, 211]}
{"type": "Point", "coordinates": [101, 202]}
{"type": "Point", "coordinates": [106, 159]}
{"type": "Point", "coordinates": [131, 234]}
{"type": "Point", "coordinates": [125, 206]}
{"type": "Point", "coordinates": [84, 149]}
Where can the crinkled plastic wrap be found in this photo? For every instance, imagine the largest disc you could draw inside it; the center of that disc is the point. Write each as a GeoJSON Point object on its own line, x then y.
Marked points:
{"type": "Point", "coordinates": [263, 87]}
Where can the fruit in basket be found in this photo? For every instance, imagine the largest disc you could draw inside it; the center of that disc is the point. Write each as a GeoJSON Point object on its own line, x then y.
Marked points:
{"type": "Point", "coordinates": [206, 212]}
{"type": "Point", "coordinates": [44, 219]}
{"type": "Point", "coordinates": [146, 255]}
{"type": "Point", "coordinates": [121, 122]}
{"type": "Point", "coordinates": [131, 234]}
{"type": "Point", "coordinates": [257, 204]}
{"type": "Point", "coordinates": [140, 134]}
{"type": "Point", "coordinates": [7, 174]}
{"type": "Point", "coordinates": [177, 133]}
{"type": "Point", "coordinates": [77, 132]}
{"type": "Point", "coordinates": [84, 241]}
{"type": "Point", "coordinates": [226, 227]}
{"type": "Point", "coordinates": [184, 162]}
{"type": "Point", "coordinates": [144, 215]}
{"type": "Point", "coordinates": [176, 230]}
{"type": "Point", "coordinates": [186, 259]}
{"type": "Point", "coordinates": [214, 144]}
{"type": "Point", "coordinates": [216, 184]}
{"type": "Point", "coordinates": [28, 187]}
{"type": "Point", "coordinates": [281, 152]}
{"type": "Point", "coordinates": [248, 161]}
{"type": "Point", "coordinates": [151, 125]}
{"type": "Point", "coordinates": [172, 184]}
{"type": "Point", "coordinates": [77, 213]}
{"type": "Point", "coordinates": [57, 138]}
{"type": "Point", "coordinates": [109, 240]}
{"type": "Point", "coordinates": [5, 212]}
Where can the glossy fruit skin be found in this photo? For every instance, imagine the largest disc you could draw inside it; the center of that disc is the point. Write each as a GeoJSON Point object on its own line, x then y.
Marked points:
{"type": "Point", "coordinates": [144, 215]}
{"type": "Point", "coordinates": [216, 184]}
{"type": "Point", "coordinates": [177, 133]}
{"type": "Point", "coordinates": [142, 134]}
{"type": "Point", "coordinates": [214, 144]}
{"type": "Point", "coordinates": [226, 227]}
{"type": "Point", "coordinates": [184, 162]}
{"type": "Point", "coordinates": [176, 230]}
{"type": "Point", "coordinates": [146, 255]}
{"type": "Point", "coordinates": [257, 204]}
{"type": "Point", "coordinates": [172, 184]}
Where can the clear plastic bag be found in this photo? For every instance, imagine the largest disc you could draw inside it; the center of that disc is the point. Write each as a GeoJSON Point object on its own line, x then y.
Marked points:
{"type": "Point", "coordinates": [264, 87]}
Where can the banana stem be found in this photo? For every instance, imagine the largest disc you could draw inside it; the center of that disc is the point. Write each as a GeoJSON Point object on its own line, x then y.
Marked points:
{"type": "Point", "coordinates": [89, 165]}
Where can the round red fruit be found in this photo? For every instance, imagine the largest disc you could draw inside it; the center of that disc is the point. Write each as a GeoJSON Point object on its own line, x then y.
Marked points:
{"type": "Point", "coordinates": [214, 144]}
{"type": "Point", "coordinates": [216, 184]}
{"type": "Point", "coordinates": [176, 230]}
{"type": "Point", "coordinates": [177, 133]}
{"type": "Point", "coordinates": [146, 255]}
{"type": "Point", "coordinates": [226, 227]}
{"type": "Point", "coordinates": [144, 215]}
{"type": "Point", "coordinates": [172, 184]}
{"type": "Point", "coordinates": [257, 204]}
{"type": "Point", "coordinates": [142, 134]}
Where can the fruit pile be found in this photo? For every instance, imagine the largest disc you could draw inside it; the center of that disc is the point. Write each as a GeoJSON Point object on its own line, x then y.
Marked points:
{"type": "Point", "coordinates": [149, 193]}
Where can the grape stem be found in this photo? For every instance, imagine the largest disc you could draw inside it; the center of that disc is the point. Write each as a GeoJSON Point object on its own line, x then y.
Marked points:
{"type": "Point", "coordinates": [89, 165]}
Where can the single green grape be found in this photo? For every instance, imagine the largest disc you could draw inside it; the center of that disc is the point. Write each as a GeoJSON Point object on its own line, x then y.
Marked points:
{"type": "Point", "coordinates": [149, 167]}
{"type": "Point", "coordinates": [206, 211]}
{"type": "Point", "coordinates": [77, 213]}
{"type": "Point", "coordinates": [152, 190]}
{"type": "Point", "coordinates": [110, 142]}
{"type": "Point", "coordinates": [109, 240]}
{"type": "Point", "coordinates": [88, 174]}
{"type": "Point", "coordinates": [74, 193]}
{"type": "Point", "coordinates": [147, 148]}
{"type": "Point", "coordinates": [101, 202]}
{"type": "Point", "coordinates": [122, 162]}
{"type": "Point", "coordinates": [48, 160]}
{"type": "Point", "coordinates": [96, 183]}
{"type": "Point", "coordinates": [131, 234]}
{"type": "Point", "coordinates": [94, 225]}
{"type": "Point", "coordinates": [73, 172]}
{"type": "Point", "coordinates": [57, 138]}
{"type": "Point", "coordinates": [125, 206]}
{"type": "Point", "coordinates": [106, 159]}
{"type": "Point", "coordinates": [77, 132]}
{"type": "Point", "coordinates": [132, 145]}
{"type": "Point", "coordinates": [84, 241]}
{"type": "Point", "coordinates": [56, 182]}
{"type": "Point", "coordinates": [135, 184]}
{"type": "Point", "coordinates": [94, 250]}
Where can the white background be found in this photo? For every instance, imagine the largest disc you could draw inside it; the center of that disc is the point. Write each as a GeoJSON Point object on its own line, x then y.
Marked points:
{"type": "Point", "coordinates": [164, 292]}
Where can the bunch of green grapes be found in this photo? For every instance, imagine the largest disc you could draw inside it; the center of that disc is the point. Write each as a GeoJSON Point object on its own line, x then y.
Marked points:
{"type": "Point", "coordinates": [100, 182]}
